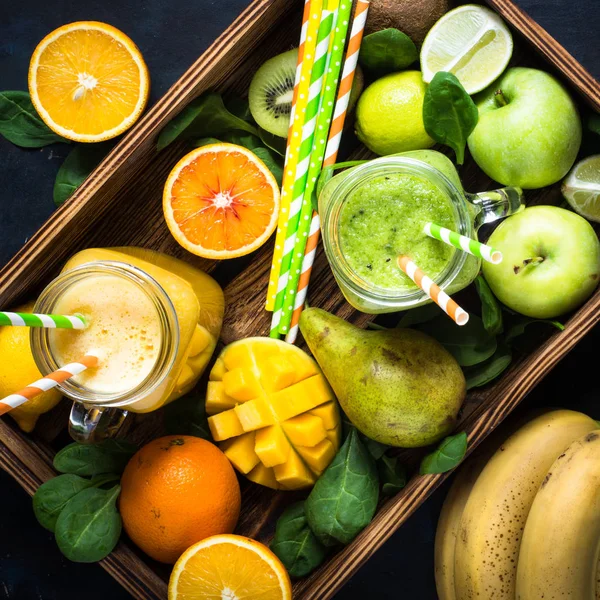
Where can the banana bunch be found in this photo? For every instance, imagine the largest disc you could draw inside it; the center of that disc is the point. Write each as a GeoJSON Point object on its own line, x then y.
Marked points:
{"type": "Point", "coordinates": [522, 519]}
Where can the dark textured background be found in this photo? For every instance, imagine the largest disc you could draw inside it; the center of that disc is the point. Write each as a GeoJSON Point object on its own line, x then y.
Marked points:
{"type": "Point", "coordinates": [171, 35]}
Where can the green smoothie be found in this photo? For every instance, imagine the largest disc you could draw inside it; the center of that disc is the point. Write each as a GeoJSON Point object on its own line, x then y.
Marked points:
{"type": "Point", "coordinates": [384, 218]}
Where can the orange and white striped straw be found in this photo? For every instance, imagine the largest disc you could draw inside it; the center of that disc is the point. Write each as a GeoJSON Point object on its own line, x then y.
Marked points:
{"type": "Point", "coordinates": [449, 306]}
{"type": "Point", "coordinates": [333, 145]}
{"type": "Point", "coordinates": [47, 383]}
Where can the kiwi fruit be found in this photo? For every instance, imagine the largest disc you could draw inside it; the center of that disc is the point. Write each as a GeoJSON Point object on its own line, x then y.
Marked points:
{"type": "Point", "coordinates": [271, 92]}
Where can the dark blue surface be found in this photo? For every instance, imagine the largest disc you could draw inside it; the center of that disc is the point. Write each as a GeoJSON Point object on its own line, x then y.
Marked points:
{"type": "Point", "coordinates": [171, 35]}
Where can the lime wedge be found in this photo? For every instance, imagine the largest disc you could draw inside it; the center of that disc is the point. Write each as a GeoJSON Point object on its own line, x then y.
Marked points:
{"type": "Point", "coordinates": [581, 188]}
{"type": "Point", "coordinates": [470, 41]}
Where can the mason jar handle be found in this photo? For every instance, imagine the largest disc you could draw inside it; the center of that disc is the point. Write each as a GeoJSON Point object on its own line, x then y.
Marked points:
{"type": "Point", "coordinates": [90, 425]}
{"type": "Point", "coordinates": [497, 204]}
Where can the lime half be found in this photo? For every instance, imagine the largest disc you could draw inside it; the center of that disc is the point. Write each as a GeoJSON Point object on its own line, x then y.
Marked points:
{"type": "Point", "coordinates": [581, 188]}
{"type": "Point", "coordinates": [470, 41]}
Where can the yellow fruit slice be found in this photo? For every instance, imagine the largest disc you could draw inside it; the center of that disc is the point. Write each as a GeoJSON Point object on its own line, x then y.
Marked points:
{"type": "Point", "coordinates": [221, 201]}
{"type": "Point", "coordinates": [229, 567]}
{"type": "Point", "coordinates": [17, 370]}
{"type": "Point", "coordinates": [88, 81]}
{"type": "Point", "coordinates": [273, 413]}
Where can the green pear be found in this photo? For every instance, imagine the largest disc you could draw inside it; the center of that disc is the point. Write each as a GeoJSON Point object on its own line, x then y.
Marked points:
{"type": "Point", "coordinates": [399, 386]}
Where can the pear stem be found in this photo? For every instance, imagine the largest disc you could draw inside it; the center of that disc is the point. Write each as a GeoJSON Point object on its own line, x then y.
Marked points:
{"type": "Point", "coordinates": [499, 97]}
{"type": "Point", "coordinates": [536, 260]}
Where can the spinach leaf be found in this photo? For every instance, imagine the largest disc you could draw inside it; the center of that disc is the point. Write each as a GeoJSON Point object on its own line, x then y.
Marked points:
{"type": "Point", "coordinates": [387, 51]}
{"type": "Point", "coordinates": [80, 162]}
{"type": "Point", "coordinates": [205, 116]}
{"type": "Point", "coordinates": [110, 456]}
{"type": "Point", "coordinates": [375, 449]}
{"type": "Point", "coordinates": [273, 142]}
{"type": "Point", "coordinates": [593, 123]}
{"type": "Point", "coordinates": [187, 416]}
{"type": "Point", "coordinates": [344, 499]}
{"type": "Point", "coordinates": [517, 327]}
{"type": "Point", "coordinates": [89, 526]}
{"type": "Point", "coordinates": [271, 163]}
{"type": "Point", "coordinates": [470, 344]}
{"type": "Point", "coordinates": [239, 107]}
{"type": "Point", "coordinates": [421, 314]}
{"type": "Point", "coordinates": [21, 124]}
{"type": "Point", "coordinates": [446, 456]}
{"type": "Point", "coordinates": [491, 312]}
{"type": "Point", "coordinates": [449, 114]}
{"type": "Point", "coordinates": [205, 142]}
{"type": "Point", "coordinates": [295, 544]}
{"type": "Point", "coordinates": [392, 475]}
{"type": "Point", "coordinates": [488, 370]}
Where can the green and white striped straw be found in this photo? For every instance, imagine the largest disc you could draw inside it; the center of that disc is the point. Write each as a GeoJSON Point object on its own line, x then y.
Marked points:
{"type": "Point", "coordinates": [462, 242]}
{"type": "Point", "coordinates": [48, 321]}
{"type": "Point", "coordinates": [316, 159]}
{"type": "Point", "coordinates": [304, 157]}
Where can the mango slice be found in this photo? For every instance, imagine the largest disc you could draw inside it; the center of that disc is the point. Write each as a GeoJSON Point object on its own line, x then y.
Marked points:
{"type": "Point", "coordinates": [273, 413]}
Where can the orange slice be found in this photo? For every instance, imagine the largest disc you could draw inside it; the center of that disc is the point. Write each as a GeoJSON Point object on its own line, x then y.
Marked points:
{"type": "Point", "coordinates": [221, 201]}
{"type": "Point", "coordinates": [229, 567]}
{"type": "Point", "coordinates": [88, 81]}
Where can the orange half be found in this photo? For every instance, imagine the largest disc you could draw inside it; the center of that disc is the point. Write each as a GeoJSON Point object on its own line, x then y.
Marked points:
{"type": "Point", "coordinates": [88, 81]}
{"type": "Point", "coordinates": [221, 201]}
{"type": "Point", "coordinates": [232, 567]}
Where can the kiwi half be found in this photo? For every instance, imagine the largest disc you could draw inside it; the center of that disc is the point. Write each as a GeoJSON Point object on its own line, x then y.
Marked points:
{"type": "Point", "coordinates": [271, 92]}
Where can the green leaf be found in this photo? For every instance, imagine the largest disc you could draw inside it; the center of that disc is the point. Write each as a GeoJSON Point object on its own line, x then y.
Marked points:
{"type": "Point", "coordinates": [392, 475]}
{"type": "Point", "coordinates": [239, 107]}
{"type": "Point", "coordinates": [593, 123]}
{"type": "Point", "coordinates": [387, 51]}
{"type": "Point", "coordinates": [421, 314]}
{"type": "Point", "coordinates": [273, 142]}
{"type": "Point", "coordinates": [446, 456]}
{"type": "Point", "coordinates": [375, 449]}
{"type": "Point", "coordinates": [80, 162]}
{"type": "Point", "coordinates": [187, 416]}
{"type": "Point", "coordinates": [271, 162]}
{"type": "Point", "coordinates": [449, 114]}
{"type": "Point", "coordinates": [344, 499]}
{"type": "Point", "coordinates": [470, 344]}
{"type": "Point", "coordinates": [205, 116]}
{"type": "Point", "coordinates": [517, 327]}
{"type": "Point", "coordinates": [488, 370]}
{"type": "Point", "coordinates": [110, 456]}
{"type": "Point", "coordinates": [295, 544]}
{"type": "Point", "coordinates": [205, 142]}
{"type": "Point", "coordinates": [89, 526]}
{"type": "Point", "coordinates": [21, 124]}
{"type": "Point", "coordinates": [491, 311]}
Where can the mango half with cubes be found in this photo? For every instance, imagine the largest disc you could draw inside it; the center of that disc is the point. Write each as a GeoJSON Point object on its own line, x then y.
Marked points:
{"type": "Point", "coordinates": [273, 413]}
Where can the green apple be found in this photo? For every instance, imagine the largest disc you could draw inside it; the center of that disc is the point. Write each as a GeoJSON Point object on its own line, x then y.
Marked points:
{"type": "Point", "coordinates": [529, 131]}
{"type": "Point", "coordinates": [551, 262]}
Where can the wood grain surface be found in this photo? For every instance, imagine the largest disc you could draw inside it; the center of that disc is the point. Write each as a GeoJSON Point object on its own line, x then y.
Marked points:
{"type": "Point", "coordinates": [120, 204]}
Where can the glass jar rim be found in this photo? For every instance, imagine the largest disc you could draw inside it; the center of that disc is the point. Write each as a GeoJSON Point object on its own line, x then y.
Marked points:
{"type": "Point", "coordinates": [166, 313]}
{"type": "Point", "coordinates": [358, 176]}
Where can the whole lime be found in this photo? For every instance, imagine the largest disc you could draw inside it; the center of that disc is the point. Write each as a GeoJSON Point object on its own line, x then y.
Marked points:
{"type": "Point", "coordinates": [389, 114]}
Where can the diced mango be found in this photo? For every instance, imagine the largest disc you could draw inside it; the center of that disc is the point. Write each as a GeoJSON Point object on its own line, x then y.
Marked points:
{"type": "Point", "coordinates": [305, 430]}
{"type": "Point", "coordinates": [273, 412]}
{"type": "Point", "coordinates": [216, 398]}
{"type": "Point", "coordinates": [319, 456]}
{"type": "Point", "coordinates": [294, 474]}
{"type": "Point", "coordinates": [328, 413]}
{"type": "Point", "coordinates": [254, 414]}
{"type": "Point", "coordinates": [242, 384]}
{"type": "Point", "coordinates": [301, 397]}
{"type": "Point", "coordinates": [200, 340]}
{"type": "Point", "coordinates": [240, 451]}
{"type": "Point", "coordinates": [272, 447]}
{"type": "Point", "coordinates": [217, 372]}
{"type": "Point", "coordinates": [225, 425]}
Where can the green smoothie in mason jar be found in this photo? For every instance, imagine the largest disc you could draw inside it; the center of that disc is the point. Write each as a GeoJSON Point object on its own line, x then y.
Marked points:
{"type": "Point", "coordinates": [375, 212]}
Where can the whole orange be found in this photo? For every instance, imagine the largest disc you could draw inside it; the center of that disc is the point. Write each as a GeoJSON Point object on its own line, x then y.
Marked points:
{"type": "Point", "coordinates": [176, 491]}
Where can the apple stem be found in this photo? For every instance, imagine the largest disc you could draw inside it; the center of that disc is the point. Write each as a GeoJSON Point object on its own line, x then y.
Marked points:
{"type": "Point", "coordinates": [536, 260]}
{"type": "Point", "coordinates": [499, 97]}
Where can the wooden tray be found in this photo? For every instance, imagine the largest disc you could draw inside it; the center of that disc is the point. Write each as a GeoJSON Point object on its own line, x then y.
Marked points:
{"type": "Point", "coordinates": [120, 204]}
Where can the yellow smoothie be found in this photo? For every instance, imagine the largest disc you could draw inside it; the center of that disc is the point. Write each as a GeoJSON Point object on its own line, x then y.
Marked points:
{"type": "Point", "coordinates": [133, 334]}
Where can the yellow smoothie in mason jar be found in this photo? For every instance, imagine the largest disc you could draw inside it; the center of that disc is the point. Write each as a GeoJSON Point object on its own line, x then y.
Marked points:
{"type": "Point", "coordinates": [125, 327]}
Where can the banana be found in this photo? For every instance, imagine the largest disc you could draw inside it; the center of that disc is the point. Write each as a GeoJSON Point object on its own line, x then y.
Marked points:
{"type": "Point", "coordinates": [487, 545]}
{"type": "Point", "coordinates": [561, 541]}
